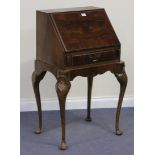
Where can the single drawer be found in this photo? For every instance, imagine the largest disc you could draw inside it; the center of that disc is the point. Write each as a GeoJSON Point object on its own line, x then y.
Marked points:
{"type": "Point", "coordinates": [96, 57]}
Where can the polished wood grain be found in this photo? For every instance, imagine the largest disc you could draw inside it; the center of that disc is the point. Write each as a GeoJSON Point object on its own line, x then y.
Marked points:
{"type": "Point", "coordinates": [76, 42]}
{"type": "Point", "coordinates": [48, 44]}
{"type": "Point", "coordinates": [122, 79]}
{"type": "Point", "coordinates": [90, 84]}
{"type": "Point", "coordinates": [36, 78]}
{"type": "Point", "coordinates": [78, 32]}
{"type": "Point", "coordinates": [62, 89]}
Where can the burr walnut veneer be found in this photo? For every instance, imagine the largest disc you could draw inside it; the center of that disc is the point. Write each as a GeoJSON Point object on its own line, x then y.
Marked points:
{"type": "Point", "coordinates": [76, 42]}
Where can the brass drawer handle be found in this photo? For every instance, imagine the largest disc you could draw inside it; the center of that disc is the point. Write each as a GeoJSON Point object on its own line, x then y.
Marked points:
{"type": "Point", "coordinates": [94, 60]}
{"type": "Point", "coordinates": [95, 57]}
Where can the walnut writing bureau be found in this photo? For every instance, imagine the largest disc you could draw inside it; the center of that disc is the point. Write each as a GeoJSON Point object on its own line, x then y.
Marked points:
{"type": "Point", "coordinates": [76, 42]}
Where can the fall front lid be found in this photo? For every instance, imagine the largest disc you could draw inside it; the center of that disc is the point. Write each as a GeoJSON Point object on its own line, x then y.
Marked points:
{"type": "Point", "coordinates": [80, 30]}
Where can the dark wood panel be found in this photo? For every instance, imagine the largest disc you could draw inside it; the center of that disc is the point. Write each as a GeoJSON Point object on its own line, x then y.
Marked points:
{"type": "Point", "coordinates": [78, 32]}
{"type": "Point", "coordinates": [49, 46]}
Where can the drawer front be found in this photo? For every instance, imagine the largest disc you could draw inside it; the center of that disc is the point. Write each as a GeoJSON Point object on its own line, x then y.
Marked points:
{"type": "Point", "coordinates": [97, 57]}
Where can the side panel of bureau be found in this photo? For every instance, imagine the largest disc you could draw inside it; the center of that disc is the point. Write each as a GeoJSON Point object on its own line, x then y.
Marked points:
{"type": "Point", "coordinates": [49, 48]}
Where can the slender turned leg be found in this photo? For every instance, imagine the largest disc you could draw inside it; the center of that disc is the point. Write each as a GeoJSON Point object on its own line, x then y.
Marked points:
{"type": "Point", "coordinates": [122, 79]}
{"type": "Point", "coordinates": [62, 88]}
{"type": "Point", "coordinates": [90, 83]}
{"type": "Point", "coordinates": [35, 81]}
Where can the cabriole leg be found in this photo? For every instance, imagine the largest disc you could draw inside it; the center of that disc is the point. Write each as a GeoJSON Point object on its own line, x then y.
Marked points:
{"type": "Point", "coordinates": [62, 89]}
{"type": "Point", "coordinates": [36, 78]}
{"type": "Point", "coordinates": [90, 83]}
{"type": "Point", "coordinates": [122, 79]}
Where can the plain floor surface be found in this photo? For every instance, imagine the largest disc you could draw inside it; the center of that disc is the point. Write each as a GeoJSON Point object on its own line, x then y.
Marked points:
{"type": "Point", "coordinates": [84, 138]}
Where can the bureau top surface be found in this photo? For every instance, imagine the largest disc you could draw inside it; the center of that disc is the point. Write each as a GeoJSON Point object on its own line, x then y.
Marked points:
{"type": "Point", "coordinates": [69, 9]}
{"type": "Point", "coordinates": [83, 28]}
